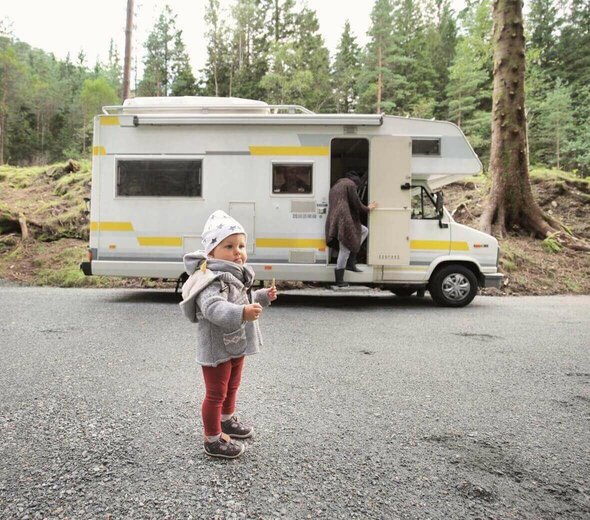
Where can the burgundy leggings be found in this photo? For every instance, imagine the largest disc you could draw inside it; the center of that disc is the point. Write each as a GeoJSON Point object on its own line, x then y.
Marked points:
{"type": "Point", "coordinates": [221, 388]}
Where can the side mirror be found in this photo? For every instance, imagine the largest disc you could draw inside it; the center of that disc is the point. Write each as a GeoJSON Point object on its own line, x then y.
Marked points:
{"type": "Point", "coordinates": [440, 202]}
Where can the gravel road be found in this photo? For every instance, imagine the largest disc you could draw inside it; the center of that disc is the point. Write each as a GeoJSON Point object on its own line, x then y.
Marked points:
{"type": "Point", "coordinates": [363, 409]}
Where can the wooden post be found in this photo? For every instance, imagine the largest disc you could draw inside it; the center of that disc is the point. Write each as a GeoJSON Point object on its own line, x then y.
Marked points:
{"type": "Point", "coordinates": [127, 62]}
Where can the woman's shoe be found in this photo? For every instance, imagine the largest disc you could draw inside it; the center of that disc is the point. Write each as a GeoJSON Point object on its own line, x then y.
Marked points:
{"type": "Point", "coordinates": [339, 275]}
{"type": "Point", "coordinates": [351, 264]}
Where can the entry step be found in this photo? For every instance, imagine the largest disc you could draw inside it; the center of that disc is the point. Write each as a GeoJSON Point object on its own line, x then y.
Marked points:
{"type": "Point", "coordinates": [334, 290]}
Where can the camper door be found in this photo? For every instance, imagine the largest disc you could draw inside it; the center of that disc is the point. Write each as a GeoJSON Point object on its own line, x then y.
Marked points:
{"type": "Point", "coordinates": [390, 178]}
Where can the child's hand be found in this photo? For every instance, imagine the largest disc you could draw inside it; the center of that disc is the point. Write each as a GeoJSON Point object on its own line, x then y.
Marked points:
{"type": "Point", "coordinates": [252, 312]}
{"type": "Point", "coordinates": [272, 293]}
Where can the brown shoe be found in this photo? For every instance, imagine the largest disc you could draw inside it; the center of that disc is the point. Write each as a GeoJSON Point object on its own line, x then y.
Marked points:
{"type": "Point", "coordinates": [224, 447]}
{"type": "Point", "coordinates": [235, 429]}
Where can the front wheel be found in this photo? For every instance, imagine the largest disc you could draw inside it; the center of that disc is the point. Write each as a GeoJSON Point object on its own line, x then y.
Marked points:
{"type": "Point", "coordinates": [453, 286]}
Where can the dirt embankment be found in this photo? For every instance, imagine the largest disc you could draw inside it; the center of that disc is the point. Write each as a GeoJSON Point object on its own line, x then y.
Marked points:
{"type": "Point", "coordinates": [47, 203]}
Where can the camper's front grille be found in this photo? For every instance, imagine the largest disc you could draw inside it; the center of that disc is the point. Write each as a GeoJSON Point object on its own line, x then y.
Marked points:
{"type": "Point", "coordinates": [302, 257]}
{"type": "Point", "coordinates": [303, 206]}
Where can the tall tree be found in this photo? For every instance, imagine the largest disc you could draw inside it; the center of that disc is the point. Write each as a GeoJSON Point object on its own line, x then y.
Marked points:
{"type": "Point", "coordinates": [299, 67]}
{"type": "Point", "coordinates": [346, 70]}
{"type": "Point", "coordinates": [183, 80]}
{"type": "Point", "coordinates": [442, 40]}
{"type": "Point", "coordinates": [555, 123]}
{"type": "Point", "coordinates": [543, 25]}
{"type": "Point", "coordinates": [411, 57]}
{"type": "Point", "coordinates": [510, 203]}
{"type": "Point", "coordinates": [249, 49]}
{"type": "Point", "coordinates": [378, 72]}
{"type": "Point", "coordinates": [217, 70]}
{"type": "Point", "coordinates": [469, 90]}
{"type": "Point", "coordinates": [166, 58]}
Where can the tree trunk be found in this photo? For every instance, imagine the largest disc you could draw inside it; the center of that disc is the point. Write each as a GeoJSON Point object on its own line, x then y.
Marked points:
{"type": "Point", "coordinates": [127, 61]}
{"type": "Point", "coordinates": [379, 79]}
{"type": "Point", "coordinates": [510, 203]}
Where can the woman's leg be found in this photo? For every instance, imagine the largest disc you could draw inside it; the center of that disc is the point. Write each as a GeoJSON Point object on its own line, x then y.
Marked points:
{"type": "Point", "coordinates": [343, 254]}
{"type": "Point", "coordinates": [364, 233]}
{"type": "Point", "coordinates": [216, 383]}
{"type": "Point", "coordinates": [229, 404]}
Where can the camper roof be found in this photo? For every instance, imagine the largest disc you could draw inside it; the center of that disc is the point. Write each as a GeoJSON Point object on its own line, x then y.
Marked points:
{"type": "Point", "coordinates": [201, 105]}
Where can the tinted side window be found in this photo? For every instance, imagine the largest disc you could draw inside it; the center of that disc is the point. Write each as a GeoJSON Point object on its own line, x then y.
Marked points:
{"type": "Point", "coordinates": [425, 146]}
{"type": "Point", "coordinates": [159, 178]}
{"type": "Point", "coordinates": [292, 178]}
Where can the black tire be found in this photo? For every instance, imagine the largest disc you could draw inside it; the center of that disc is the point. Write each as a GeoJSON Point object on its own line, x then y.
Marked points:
{"type": "Point", "coordinates": [453, 286]}
{"type": "Point", "coordinates": [403, 292]}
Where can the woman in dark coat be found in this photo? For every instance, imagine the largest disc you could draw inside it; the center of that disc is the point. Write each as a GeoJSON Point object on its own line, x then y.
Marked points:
{"type": "Point", "coordinates": [343, 223]}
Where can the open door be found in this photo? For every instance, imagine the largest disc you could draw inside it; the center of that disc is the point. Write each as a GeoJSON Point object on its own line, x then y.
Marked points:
{"type": "Point", "coordinates": [390, 180]}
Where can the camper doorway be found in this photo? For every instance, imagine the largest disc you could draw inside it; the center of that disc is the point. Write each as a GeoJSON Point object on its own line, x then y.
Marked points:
{"type": "Point", "coordinates": [351, 154]}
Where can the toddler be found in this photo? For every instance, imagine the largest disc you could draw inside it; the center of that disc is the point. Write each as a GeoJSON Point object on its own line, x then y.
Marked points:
{"type": "Point", "coordinates": [218, 297]}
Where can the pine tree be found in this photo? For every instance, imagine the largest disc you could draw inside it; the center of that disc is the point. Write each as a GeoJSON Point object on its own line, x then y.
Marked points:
{"type": "Point", "coordinates": [299, 65]}
{"type": "Point", "coordinates": [113, 70]}
{"type": "Point", "coordinates": [377, 72]}
{"type": "Point", "coordinates": [469, 88]}
{"type": "Point", "coordinates": [555, 124]}
{"type": "Point", "coordinates": [442, 38]}
{"type": "Point", "coordinates": [218, 70]}
{"type": "Point", "coordinates": [167, 68]}
{"type": "Point", "coordinates": [574, 46]}
{"type": "Point", "coordinates": [346, 70]}
{"type": "Point", "coordinates": [542, 25]}
{"type": "Point", "coordinates": [249, 49]}
{"type": "Point", "coordinates": [183, 80]}
{"type": "Point", "coordinates": [411, 58]}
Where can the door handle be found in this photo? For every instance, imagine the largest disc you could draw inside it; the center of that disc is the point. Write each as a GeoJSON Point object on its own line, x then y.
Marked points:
{"type": "Point", "coordinates": [406, 186]}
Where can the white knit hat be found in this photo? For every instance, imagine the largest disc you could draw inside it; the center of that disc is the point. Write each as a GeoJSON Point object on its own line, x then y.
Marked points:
{"type": "Point", "coordinates": [219, 226]}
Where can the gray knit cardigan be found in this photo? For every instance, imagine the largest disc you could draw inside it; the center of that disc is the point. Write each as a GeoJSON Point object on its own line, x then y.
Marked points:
{"type": "Point", "coordinates": [215, 300]}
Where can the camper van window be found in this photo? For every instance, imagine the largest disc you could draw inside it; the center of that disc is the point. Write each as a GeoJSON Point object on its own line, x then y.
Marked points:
{"type": "Point", "coordinates": [292, 178]}
{"type": "Point", "coordinates": [159, 178]}
{"type": "Point", "coordinates": [423, 206]}
{"type": "Point", "coordinates": [425, 146]}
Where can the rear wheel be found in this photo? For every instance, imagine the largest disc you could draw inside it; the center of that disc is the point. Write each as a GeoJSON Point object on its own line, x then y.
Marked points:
{"type": "Point", "coordinates": [453, 286]}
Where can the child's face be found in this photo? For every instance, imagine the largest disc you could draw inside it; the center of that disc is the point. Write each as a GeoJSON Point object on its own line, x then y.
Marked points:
{"type": "Point", "coordinates": [231, 248]}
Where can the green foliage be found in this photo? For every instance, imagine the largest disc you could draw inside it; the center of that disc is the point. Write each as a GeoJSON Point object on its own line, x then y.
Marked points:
{"type": "Point", "coordinates": [553, 126]}
{"type": "Point", "coordinates": [551, 244]}
{"type": "Point", "coordinates": [346, 71]}
{"type": "Point", "coordinates": [95, 94]}
{"type": "Point", "coordinates": [167, 68]}
{"type": "Point", "coordinates": [469, 89]}
{"type": "Point", "coordinates": [421, 60]}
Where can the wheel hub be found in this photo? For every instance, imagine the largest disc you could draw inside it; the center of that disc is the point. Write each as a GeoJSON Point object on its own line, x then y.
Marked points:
{"type": "Point", "coordinates": [456, 287]}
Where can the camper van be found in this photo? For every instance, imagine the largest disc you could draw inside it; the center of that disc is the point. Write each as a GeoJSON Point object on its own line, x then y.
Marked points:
{"type": "Point", "coordinates": [161, 166]}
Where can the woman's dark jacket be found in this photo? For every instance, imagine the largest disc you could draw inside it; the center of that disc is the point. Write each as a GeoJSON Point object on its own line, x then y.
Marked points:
{"type": "Point", "coordinates": [343, 224]}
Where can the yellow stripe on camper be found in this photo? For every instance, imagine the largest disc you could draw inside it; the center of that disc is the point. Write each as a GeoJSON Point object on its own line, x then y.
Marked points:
{"type": "Point", "coordinates": [160, 241]}
{"type": "Point", "coordinates": [289, 150]}
{"type": "Point", "coordinates": [109, 120]}
{"type": "Point", "coordinates": [99, 150]}
{"type": "Point", "coordinates": [313, 243]}
{"type": "Point", "coordinates": [438, 245]}
{"type": "Point", "coordinates": [111, 226]}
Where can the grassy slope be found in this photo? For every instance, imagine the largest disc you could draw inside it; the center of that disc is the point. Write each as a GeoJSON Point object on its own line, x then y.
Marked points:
{"type": "Point", "coordinates": [53, 206]}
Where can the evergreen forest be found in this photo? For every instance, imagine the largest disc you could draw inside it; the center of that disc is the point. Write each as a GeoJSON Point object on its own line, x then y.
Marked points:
{"type": "Point", "coordinates": [421, 59]}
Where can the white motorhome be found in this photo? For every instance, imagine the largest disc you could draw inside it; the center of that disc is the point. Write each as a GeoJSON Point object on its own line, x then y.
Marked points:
{"type": "Point", "coordinates": [162, 165]}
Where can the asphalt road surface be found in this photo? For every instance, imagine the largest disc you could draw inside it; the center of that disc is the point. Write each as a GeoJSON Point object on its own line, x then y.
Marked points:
{"type": "Point", "coordinates": [362, 409]}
